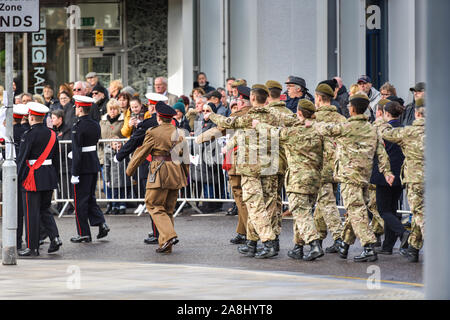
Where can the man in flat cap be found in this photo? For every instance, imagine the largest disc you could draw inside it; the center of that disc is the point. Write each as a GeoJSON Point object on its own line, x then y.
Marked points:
{"type": "Point", "coordinates": [167, 173]}
{"type": "Point", "coordinates": [296, 89]}
{"type": "Point", "coordinates": [407, 118]}
{"type": "Point", "coordinates": [411, 139]}
{"type": "Point", "coordinates": [326, 214]}
{"type": "Point", "coordinates": [92, 79]}
{"type": "Point", "coordinates": [357, 143]}
{"type": "Point", "coordinates": [258, 172]}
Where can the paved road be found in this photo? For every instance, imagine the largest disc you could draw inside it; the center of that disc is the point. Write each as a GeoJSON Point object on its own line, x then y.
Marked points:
{"type": "Point", "coordinates": [204, 241]}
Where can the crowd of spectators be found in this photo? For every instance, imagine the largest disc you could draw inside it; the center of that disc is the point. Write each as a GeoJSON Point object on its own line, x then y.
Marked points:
{"type": "Point", "coordinates": [119, 110]}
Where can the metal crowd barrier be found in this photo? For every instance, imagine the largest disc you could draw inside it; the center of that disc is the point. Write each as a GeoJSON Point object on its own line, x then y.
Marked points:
{"type": "Point", "coordinates": [207, 181]}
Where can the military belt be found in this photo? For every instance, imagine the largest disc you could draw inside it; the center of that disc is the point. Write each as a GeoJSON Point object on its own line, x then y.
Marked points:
{"type": "Point", "coordinates": [161, 158]}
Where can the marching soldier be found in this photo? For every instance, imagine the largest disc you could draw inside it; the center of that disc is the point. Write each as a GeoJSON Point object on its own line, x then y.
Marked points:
{"type": "Point", "coordinates": [167, 175]}
{"type": "Point", "coordinates": [85, 167]}
{"type": "Point", "coordinates": [326, 214]}
{"type": "Point", "coordinates": [411, 140]}
{"type": "Point", "coordinates": [19, 111]}
{"type": "Point", "coordinates": [258, 168]}
{"type": "Point", "coordinates": [38, 167]}
{"type": "Point", "coordinates": [275, 89]}
{"type": "Point", "coordinates": [135, 141]}
{"type": "Point", "coordinates": [357, 144]}
{"type": "Point", "coordinates": [304, 151]}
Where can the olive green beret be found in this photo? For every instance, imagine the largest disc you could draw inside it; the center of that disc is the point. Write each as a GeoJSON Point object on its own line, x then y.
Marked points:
{"type": "Point", "coordinates": [325, 89]}
{"type": "Point", "coordinates": [306, 105]}
{"type": "Point", "coordinates": [260, 86]}
{"type": "Point", "coordinates": [420, 103]}
{"type": "Point", "coordinates": [359, 96]}
{"type": "Point", "coordinates": [239, 82]}
{"type": "Point", "coordinates": [272, 84]}
{"type": "Point", "coordinates": [383, 102]}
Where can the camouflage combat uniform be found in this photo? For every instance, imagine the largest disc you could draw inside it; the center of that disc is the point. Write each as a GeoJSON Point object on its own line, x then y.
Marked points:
{"type": "Point", "coordinates": [258, 166]}
{"type": "Point", "coordinates": [357, 144]}
{"type": "Point", "coordinates": [326, 214]}
{"type": "Point", "coordinates": [304, 151]}
{"type": "Point", "coordinates": [280, 106]}
{"type": "Point", "coordinates": [411, 140]}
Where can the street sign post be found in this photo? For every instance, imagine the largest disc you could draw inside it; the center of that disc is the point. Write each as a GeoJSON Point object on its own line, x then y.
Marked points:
{"type": "Point", "coordinates": [15, 16]}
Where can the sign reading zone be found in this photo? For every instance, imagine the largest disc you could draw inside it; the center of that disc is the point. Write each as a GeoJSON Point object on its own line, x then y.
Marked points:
{"type": "Point", "coordinates": [19, 15]}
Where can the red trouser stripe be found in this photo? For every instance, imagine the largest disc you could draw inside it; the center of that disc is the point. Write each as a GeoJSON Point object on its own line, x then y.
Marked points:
{"type": "Point", "coordinates": [76, 212]}
{"type": "Point", "coordinates": [28, 222]}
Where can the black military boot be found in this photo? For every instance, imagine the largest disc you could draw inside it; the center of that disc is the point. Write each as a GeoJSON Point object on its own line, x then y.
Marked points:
{"type": "Point", "coordinates": [54, 245]}
{"type": "Point", "coordinates": [315, 252]}
{"type": "Point", "coordinates": [335, 247]}
{"type": "Point", "coordinates": [103, 230]}
{"type": "Point", "coordinates": [233, 211]}
{"type": "Point", "coordinates": [151, 239]}
{"type": "Point", "coordinates": [404, 239]}
{"type": "Point", "coordinates": [378, 243]}
{"type": "Point", "coordinates": [27, 252]}
{"type": "Point", "coordinates": [368, 254]}
{"type": "Point", "coordinates": [108, 208]}
{"type": "Point", "coordinates": [248, 249]}
{"type": "Point", "coordinates": [267, 251]}
{"type": "Point", "coordinates": [296, 252]}
{"type": "Point", "coordinates": [343, 250]}
{"type": "Point", "coordinates": [239, 239]}
{"type": "Point", "coordinates": [276, 244]}
{"type": "Point", "coordinates": [79, 239]}
{"type": "Point", "coordinates": [412, 254]}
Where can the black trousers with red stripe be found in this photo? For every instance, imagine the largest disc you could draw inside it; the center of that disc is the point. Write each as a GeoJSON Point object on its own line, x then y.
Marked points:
{"type": "Point", "coordinates": [36, 209]}
{"type": "Point", "coordinates": [87, 211]}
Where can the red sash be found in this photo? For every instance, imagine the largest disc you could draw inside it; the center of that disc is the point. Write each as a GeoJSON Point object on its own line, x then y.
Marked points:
{"type": "Point", "coordinates": [30, 184]}
{"type": "Point", "coordinates": [227, 159]}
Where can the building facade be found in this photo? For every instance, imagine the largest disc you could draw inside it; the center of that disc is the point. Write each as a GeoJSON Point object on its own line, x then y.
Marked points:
{"type": "Point", "coordinates": [252, 39]}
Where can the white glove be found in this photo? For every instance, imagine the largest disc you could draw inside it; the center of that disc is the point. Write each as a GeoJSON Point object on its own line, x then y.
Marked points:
{"type": "Point", "coordinates": [69, 155]}
{"type": "Point", "coordinates": [108, 184]}
{"type": "Point", "coordinates": [75, 180]}
{"type": "Point", "coordinates": [115, 159]}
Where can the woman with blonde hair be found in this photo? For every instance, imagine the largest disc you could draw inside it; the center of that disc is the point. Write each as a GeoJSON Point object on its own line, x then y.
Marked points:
{"type": "Point", "coordinates": [114, 88]}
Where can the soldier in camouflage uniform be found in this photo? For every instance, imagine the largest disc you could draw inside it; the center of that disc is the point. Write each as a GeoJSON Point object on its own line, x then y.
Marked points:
{"type": "Point", "coordinates": [357, 144]}
{"type": "Point", "coordinates": [275, 89]}
{"type": "Point", "coordinates": [326, 214]}
{"type": "Point", "coordinates": [304, 151]}
{"type": "Point", "coordinates": [258, 167]}
{"type": "Point", "coordinates": [411, 140]}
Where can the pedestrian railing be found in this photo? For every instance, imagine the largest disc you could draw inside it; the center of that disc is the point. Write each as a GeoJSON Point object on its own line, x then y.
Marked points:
{"type": "Point", "coordinates": [207, 181]}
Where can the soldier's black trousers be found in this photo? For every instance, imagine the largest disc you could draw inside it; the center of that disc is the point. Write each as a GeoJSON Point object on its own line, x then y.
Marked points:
{"type": "Point", "coordinates": [36, 210]}
{"type": "Point", "coordinates": [19, 233]}
{"type": "Point", "coordinates": [86, 207]}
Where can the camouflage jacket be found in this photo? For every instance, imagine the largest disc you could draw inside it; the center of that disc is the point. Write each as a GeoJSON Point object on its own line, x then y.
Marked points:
{"type": "Point", "coordinates": [304, 152]}
{"type": "Point", "coordinates": [411, 140]}
{"type": "Point", "coordinates": [257, 154]}
{"type": "Point", "coordinates": [329, 114]}
{"type": "Point", "coordinates": [357, 144]}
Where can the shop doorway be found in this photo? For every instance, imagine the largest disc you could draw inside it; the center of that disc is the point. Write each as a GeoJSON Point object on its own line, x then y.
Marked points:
{"type": "Point", "coordinates": [108, 66]}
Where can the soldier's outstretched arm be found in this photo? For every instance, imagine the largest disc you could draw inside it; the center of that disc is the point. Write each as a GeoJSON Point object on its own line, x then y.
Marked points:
{"type": "Point", "coordinates": [329, 129]}
{"type": "Point", "coordinates": [394, 135]}
{"type": "Point", "coordinates": [231, 122]}
{"type": "Point", "coordinates": [208, 135]}
{"type": "Point", "coordinates": [141, 153]}
{"type": "Point", "coordinates": [285, 119]}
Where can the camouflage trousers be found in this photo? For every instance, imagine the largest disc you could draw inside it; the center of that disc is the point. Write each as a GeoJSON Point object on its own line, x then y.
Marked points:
{"type": "Point", "coordinates": [277, 217]}
{"type": "Point", "coordinates": [301, 206]}
{"type": "Point", "coordinates": [415, 192]}
{"type": "Point", "coordinates": [356, 223]}
{"type": "Point", "coordinates": [377, 223]}
{"type": "Point", "coordinates": [260, 196]}
{"type": "Point", "coordinates": [326, 215]}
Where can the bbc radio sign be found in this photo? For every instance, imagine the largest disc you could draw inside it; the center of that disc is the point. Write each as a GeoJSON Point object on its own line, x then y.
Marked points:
{"type": "Point", "coordinates": [19, 15]}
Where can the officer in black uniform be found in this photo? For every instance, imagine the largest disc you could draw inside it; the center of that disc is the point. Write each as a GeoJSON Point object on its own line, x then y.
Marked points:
{"type": "Point", "coordinates": [38, 167]}
{"type": "Point", "coordinates": [136, 140]}
{"type": "Point", "coordinates": [19, 110]}
{"type": "Point", "coordinates": [85, 167]}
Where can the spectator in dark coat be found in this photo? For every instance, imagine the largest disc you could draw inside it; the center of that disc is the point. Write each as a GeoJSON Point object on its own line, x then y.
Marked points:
{"type": "Point", "coordinates": [68, 107]}
{"type": "Point", "coordinates": [342, 97]}
{"type": "Point", "coordinates": [101, 101]}
{"type": "Point", "coordinates": [296, 90]}
{"type": "Point", "coordinates": [408, 117]}
{"type": "Point", "coordinates": [388, 196]}
{"type": "Point", "coordinates": [203, 83]}
{"type": "Point", "coordinates": [180, 116]}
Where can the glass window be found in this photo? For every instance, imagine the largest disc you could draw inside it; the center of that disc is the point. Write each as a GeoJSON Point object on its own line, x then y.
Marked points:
{"type": "Point", "coordinates": [104, 16]}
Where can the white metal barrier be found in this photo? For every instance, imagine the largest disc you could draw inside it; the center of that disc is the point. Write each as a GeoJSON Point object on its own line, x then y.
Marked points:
{"type": "Point", "coordinates": [207, 181]}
